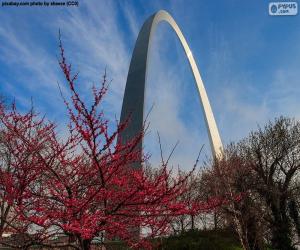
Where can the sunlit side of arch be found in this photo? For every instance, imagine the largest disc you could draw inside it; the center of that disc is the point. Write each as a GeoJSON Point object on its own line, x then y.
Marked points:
{"type": "Point", "coordinates": [134, 96]}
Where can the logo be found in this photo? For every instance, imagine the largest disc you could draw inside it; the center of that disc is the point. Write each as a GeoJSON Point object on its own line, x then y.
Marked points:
{"type": "Point", "coordinates": [273, 8]}
{"type": "Point", "coordinates": [283, 8]}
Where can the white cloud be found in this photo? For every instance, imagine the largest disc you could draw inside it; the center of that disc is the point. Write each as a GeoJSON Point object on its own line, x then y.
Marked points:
{"type": "Point", "coordinates": [167, 89]}
{"type": "Point", "coordinates": [96, 42]}
{"type": "Point", "coordinates": [32, 66]}
{"type": "Point", "coordinates": [131, 18]}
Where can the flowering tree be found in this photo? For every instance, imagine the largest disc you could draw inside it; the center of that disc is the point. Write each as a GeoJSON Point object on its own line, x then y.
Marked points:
{"type": "Point", "coordinates": [23, 137]}
{"type": "Point", "coordinates": [84, 186]}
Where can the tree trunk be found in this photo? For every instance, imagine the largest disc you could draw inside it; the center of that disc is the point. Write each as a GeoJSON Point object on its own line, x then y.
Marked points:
{"type": "Point", "coordinates": [182, 225]}
{"type": "Point", "coordinates": [254, 234]}
{"type": "Point", "coordinates": [281, 228]}
{"type": "Point", "coordinates": [295, 216]}
{"type": "Point", "coordinates": [241, 232]}
{"type": "Point", "coordinates": [85, 244]}
{"type": "Point", "coordinates": [193, 222]}
{"type": "Point", "coordinates": [215, 221]}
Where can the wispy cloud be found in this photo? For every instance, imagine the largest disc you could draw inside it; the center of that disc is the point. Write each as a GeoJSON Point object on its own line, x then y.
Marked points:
{"type": "Point", "coordinates": [132, 19]}
{"type": "Point", "coordinates": [30, 65]}
{"type": "Point", "coordinates": [96, 42]}
{"type": "Point", "coordinates": [93, 38]}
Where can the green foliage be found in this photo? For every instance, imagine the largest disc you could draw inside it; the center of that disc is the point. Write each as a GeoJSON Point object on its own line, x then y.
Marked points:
{"type": "Point", "coordinates": [213, 240]}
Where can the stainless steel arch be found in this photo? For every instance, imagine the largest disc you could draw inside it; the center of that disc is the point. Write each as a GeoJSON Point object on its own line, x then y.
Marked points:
{"type": "Point", "coordinates": [133, 101]}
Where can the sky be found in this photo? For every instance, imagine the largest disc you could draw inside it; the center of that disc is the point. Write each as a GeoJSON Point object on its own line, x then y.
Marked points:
{"type": "Point", "coordinates": [249, 62]}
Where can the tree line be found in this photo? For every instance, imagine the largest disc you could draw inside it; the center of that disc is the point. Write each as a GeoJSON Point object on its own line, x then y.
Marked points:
{"type": "Point", "coordinates": [258, 183]}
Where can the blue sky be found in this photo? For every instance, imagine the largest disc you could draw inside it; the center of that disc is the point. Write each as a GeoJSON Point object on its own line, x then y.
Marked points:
{"type": "Point", "coordinates": [249, 62]}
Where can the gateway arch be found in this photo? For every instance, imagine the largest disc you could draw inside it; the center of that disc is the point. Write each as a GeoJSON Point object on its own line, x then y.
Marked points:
{"type": "Point", "coordinates": [134, 96]}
